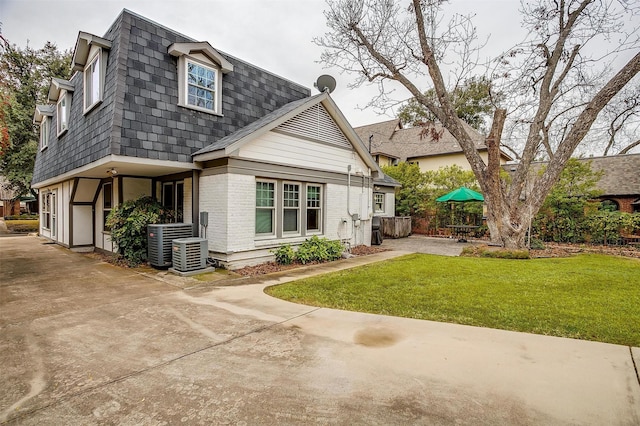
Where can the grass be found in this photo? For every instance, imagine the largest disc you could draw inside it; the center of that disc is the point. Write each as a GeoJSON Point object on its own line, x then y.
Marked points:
{"type": "Point", "coordinates": [590, 297]}
{"type": "Point", "coordinates": [22, 225]}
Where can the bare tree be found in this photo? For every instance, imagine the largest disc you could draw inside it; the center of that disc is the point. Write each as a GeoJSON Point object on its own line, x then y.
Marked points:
{"type": "Point", "coordinates": [622, 122]}
{"type": "Point", "coordinates": [557, 85]}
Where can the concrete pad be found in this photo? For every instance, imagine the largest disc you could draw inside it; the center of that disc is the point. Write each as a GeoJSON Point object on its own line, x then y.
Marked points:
{"type": "Point", "coordinates": [82, 342]}
{"type": "Point", "coordinates": [428, 245]}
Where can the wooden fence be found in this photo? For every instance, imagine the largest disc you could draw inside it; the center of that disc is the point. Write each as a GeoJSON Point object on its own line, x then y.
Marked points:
{"type": "Point", "coordinates": [396, 227]}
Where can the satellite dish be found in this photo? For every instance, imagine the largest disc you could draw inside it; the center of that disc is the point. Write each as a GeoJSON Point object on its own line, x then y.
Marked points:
{"type": "Point", "coordinates": [325, 82]}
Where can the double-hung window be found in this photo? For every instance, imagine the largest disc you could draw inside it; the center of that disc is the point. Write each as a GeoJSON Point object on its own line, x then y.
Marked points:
{"type": "Point", "coordinates": [63, 107]}
{"type": "Point", "coordinates": [378, 202]}
{"type": "Point", "coordinates": [45, 127]}
{"type": "Point", "coordinates": [291, 208]}
{"type": "Point", "coordinates": [265, 208]}
{"type": "Point", "coordinates": [93, 80]}
{"type": "Point", "coordinates": [201, 86]}
{"type": "Point", "coordinates": [288, 209]}
{"type": "Point", "coordinates": [314, 208]}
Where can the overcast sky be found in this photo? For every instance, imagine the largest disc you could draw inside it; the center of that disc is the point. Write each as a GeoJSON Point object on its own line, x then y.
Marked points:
{"type": "Point", "coordinates": [273, 34]}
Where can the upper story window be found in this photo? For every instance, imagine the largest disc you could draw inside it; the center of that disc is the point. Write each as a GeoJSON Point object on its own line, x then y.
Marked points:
{"type": "Point", "coordinates": [201, 86]}
{"type": "Point", "coordinates": [63, 107]}
{"type": "Point", "coordinates": [45, 128]}
{"type": "Point", "coordinates": [93, 82]}
{"type": "Point", "coordinates": [42, 117]}
{"type": "Point", "coordinates": [90, 57]}
{"type": "Point", "coordinates": [60, 92]}
{"type": "Point", "coordinates": [200, 69]}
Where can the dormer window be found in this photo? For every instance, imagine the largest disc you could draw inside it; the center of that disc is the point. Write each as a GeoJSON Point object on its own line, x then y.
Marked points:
{"type": "Point", "coordinates": [45, 127]}
{"type": "Point", "coordinates": [93, 81]}
{"type": "Point", "coordinates": [201, 86]}
{"type": "Point", "coordinates": [200, 69]}
{"type": "Point", "coordinates": [42, 117]}
{"type": "Point", "coordinates": [63, 107]}
{"type": "Point", "coordinates": [60, 92]}
{"type": "Point", "coordinates": [90, 57]}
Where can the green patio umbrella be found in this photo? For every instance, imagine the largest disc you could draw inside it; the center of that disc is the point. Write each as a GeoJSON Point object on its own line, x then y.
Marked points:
{"type": "Point", "coordinates": [461, 195]}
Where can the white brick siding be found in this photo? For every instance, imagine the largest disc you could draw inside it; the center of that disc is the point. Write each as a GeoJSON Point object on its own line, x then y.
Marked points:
{"type": "Point", "coordinates": [213, 199]}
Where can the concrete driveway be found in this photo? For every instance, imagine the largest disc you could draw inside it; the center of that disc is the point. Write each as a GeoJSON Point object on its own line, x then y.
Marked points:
{"type": "Point", "coordinates": [83, 342]}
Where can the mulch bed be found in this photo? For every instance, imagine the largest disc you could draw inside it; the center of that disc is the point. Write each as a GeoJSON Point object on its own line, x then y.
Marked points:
{"type": "Point", "coordinates": [267, 268]}
{"type": "Point", "coordinates": [565, 250]}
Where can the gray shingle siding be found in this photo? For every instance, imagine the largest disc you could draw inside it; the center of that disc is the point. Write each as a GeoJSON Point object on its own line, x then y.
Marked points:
{"type": "Point", "coordinates": [140, 116]}
{"type": "Point", "coordinates": [87, 139]}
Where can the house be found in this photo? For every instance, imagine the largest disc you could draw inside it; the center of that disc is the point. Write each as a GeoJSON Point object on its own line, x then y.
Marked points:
{"type": "Point", "coordinates": [9, 204]}
{"type": "Point", "coordinates": [152, 112]}
{"type": "Point", "coordinates": [619, 184]}
{"type": "Point", "coordinates": [430, 147]}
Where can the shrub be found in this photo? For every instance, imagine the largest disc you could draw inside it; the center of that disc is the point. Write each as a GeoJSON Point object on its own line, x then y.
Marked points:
{"type": "Point", "coordinates": [128, 223]}
{"type": "Point", "coordinates": [284, 254]}
{"type": "Point", "coordinates": [314, 249]}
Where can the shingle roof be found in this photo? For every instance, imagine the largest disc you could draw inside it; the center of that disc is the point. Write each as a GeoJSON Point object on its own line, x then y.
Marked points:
{"type": "Point", "coordinates": [389, 138]}
{"type": "Point", "coordinates": [621, 174]}
{"type": "Point", "coordinates": [257, 125]}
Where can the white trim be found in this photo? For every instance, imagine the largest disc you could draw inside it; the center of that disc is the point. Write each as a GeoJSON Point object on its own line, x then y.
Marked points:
{"type": "Point", "coordinates": [66, 98]}
{"type": "Point", "coordinates": [274, 209]}
{"type": "Point", "coordinates": [183, 84]}
{"type": "Point", "coordinates": [114, 159]}
{"type": "Point", "coordinates": [99, 58]}
{"type": "Point", "coordinates": [298, 230]}
{"type": "Point", "coordinates": [45, 132]}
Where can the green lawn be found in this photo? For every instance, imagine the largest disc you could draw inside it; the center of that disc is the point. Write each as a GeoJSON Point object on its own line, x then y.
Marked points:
{"type": "Point", "coordinates": [591, 297]}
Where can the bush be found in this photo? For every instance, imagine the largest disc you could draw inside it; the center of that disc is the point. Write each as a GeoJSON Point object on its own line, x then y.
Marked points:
{"type": "Point", "coordinates": [314, 249]}
{"type": "Point", "coordinates": [284, 254]}
{"type": "Point", "coordinates": [128, 223]}
{"type": "Point", "coordinates": [22, 217]}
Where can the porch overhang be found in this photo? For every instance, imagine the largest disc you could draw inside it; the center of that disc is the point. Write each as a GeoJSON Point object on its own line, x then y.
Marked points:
{"type": "Point", "coordinates": [117, 165]}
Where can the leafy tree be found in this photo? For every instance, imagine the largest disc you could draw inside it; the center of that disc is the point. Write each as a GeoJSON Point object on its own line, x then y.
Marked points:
{"type": "Point", "coordinates": [556, 82]}
{"type": "Point", "coordinates": [412, 197]}
{"type": "Point", "coordinates": [563, 215]}
{"type": "Point", "coordinates": [472, 101]}
{"type": "Point", "coordinates": [25, 75]}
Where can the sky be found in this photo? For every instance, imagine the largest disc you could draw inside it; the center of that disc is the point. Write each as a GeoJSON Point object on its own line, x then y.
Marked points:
{"type": "Point", "coordinates": [275, 35]}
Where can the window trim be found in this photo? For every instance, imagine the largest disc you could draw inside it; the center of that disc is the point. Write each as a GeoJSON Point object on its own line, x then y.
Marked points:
{"type": "Point", "coordinates": [45, 131]}
{"type": "Point", "coordinates": [99, 59]}
{"type": "Point", "coordinates": [183, 92]}
{"type": "Point", "coordinates": [375, 202]}
{"type": "Point", "coordinates": [319, 208]}
{"type": "Point", "coordinates": [106, 210]}
{"type": "Point", "coordinates": [273, 208]}
{"type": "Point", "coordinates": [66, 98]}
{"type": "Point", "coordinates": [46, 211]}
{"type": "Point", "coordinates": [298, 209]}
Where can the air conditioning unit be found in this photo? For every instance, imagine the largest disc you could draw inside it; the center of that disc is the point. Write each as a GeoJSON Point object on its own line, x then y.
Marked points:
{"type": "Point", "coordinates": [159, 237]}
{"type": "Point", "coordinates": [189, 254]}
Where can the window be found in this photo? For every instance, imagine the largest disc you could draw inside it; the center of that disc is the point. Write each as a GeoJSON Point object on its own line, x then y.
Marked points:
{"type": "Point", "coordinates": [93, 82]}
{"type": "Point", "coordinates": [378, 202]}
{"type": "Point", "coordinates": [288, 209]}
{"type": "Point", "coordinates": [63, 107]}
{"type": "Point", "coordinates": [201, 86]}
{"type": "Point", "coordinates": [45, 127]}
{"type": "Point", "coordinates": [291, 208]}
{"type": "Point", "coordinates": [265, 208]}
{"type": "Point", "coordinates": [46, 210]}
{"type": "Point", "coordinates": [52, 210]}
{"type": "Point", "coordinates": [173, 199]}
{"type": "Point", "coordinates": [107, 203]}
{"type": "Point", "coordinates": [314, 208]}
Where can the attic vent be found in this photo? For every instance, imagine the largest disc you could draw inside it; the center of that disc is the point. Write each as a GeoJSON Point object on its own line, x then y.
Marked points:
{"type": "Point", "coordinates": [315, 123]}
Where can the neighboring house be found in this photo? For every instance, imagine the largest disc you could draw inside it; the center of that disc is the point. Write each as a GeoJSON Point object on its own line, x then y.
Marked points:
{"type": "Point", "coordinates": [620, 181]}
{"type": "Point", "coordinates": [390, 143]}
{"type": "Point", "coordinates": [9, 205]}
{"type": "Point", "coordinates": [152, 112]}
